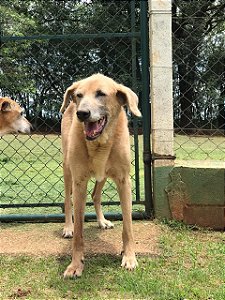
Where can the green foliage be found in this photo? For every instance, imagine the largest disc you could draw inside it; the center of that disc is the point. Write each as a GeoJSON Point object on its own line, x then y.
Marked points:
{"type": "Point", "coordinates": [54, 51]}
{"type": "Point", "coordinates": [199, 63]}
{"type": "Point", "coordinates": [45, 48]}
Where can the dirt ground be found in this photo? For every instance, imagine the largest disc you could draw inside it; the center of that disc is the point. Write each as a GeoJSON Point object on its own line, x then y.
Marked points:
{"type": "Point", "coordinates": [46, 239]}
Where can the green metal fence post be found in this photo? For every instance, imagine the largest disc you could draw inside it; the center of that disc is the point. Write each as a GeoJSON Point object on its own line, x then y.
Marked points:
{"type": "Point", "coordinates": [134, 86]}
{"type": "Point", "coordinates": [146, 109]}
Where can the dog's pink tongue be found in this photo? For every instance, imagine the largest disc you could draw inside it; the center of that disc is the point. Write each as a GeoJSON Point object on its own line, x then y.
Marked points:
{"type": "Point", "coordinates": [91, 128]}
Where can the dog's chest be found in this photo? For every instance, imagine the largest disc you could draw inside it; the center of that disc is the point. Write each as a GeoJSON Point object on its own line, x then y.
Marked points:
{"type": "Point", "coordinates": [97, 160]}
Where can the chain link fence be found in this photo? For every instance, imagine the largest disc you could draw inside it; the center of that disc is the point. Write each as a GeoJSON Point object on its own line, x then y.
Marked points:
{"type": "Point", "coordinates": [45, 46]}
{"type": "Point", "coordinates": [199, 79]}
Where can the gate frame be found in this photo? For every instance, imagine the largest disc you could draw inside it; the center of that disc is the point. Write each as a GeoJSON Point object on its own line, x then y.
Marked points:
{"type": "Point", "coordinates": [147, 157]}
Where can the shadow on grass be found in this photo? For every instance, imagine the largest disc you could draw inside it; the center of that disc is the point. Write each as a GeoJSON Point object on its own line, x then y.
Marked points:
{"type": "Point", "coordinates": [93, 261]}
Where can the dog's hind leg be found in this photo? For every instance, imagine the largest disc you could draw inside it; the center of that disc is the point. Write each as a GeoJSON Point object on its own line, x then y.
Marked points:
{"type": "Point", "coordinates": [124, 188]}
{"type": "Point", "coordinates": [96, 196]}
{"type": "Point", "coordinates": [68, 227]}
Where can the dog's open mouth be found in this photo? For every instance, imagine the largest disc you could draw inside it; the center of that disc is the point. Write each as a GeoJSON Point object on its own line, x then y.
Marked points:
{"type": "Point", "coordinates": [94, 129]}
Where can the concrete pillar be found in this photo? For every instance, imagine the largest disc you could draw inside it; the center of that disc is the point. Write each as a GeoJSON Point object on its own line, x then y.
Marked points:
{"type": "Point", "coordinates": [160, 37]}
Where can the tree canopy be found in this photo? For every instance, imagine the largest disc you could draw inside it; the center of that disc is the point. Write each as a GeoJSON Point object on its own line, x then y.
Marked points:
{"type": "Point", "coordinates": [47, 44]}
{"type": "Point", "coordinates": [199, 63]}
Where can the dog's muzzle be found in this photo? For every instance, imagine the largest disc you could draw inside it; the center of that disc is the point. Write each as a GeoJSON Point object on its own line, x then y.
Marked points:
{"type": "Point", "coordinates": [92, 129]}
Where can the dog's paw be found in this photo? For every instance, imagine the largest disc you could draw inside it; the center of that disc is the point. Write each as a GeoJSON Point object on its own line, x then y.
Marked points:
{"type": "Point", "coordinates": [74, 270]}
{"type": "Point", "coordinates": [129, 262]}
{"type": "Point", "coordinates": [105, 224]}
{"type": "Point", "coordinates": [67, 232]}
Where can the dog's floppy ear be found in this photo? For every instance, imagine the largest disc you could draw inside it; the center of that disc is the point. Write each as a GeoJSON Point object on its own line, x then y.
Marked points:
{"type": "Point", "coordinates": [5, 106]}
{"type": "Point", "coordinates": [66, 98]}
{"type": "Point", "coordinates": [127, 97]}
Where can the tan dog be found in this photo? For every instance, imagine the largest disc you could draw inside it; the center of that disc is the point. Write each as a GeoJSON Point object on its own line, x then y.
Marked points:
{"type": "Point", "coordinates": [11, 117]}
{"type": "Point", "coordinates": [96, 143]}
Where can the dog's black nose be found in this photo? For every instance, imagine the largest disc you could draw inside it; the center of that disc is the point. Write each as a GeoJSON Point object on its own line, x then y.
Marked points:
{"type": "Point", "coordinates": [83, 114]}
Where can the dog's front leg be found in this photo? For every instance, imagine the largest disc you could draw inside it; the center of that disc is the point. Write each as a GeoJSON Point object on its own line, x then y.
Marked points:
{"type": "Point", "coordinates": [96, 196]}
{"type": "Point", "coordinates": [68, 227]}
{"type": "Point", "coordinates": [124, 189]}
{"type": "Point", "coordinates": [76, 267]}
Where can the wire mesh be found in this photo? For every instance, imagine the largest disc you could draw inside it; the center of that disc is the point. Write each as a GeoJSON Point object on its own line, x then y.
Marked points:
{"type": "Point", "coordinates": [45, 46]}
{"type": "Point", "coordinates": [199, 79]}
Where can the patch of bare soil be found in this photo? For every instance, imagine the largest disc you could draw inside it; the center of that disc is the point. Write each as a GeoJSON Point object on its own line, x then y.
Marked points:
{"type": "Point", "coordinates": [46, 239]}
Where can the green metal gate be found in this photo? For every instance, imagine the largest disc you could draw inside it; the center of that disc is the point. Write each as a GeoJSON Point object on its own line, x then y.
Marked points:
{"type": "Point", "coordinates": [45, 46]}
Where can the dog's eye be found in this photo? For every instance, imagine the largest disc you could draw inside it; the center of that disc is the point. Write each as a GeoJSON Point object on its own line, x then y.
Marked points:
{"type": "Point", "coordinates": [79, 95]}
{"type": "Point", "coordinates": [99, 93]}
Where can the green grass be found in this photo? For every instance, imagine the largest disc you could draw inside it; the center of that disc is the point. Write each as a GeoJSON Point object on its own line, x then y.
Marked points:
{"type": "Point", "coordinates": [199, 147]}
{"type": "Point", "coordinates": [31, 169]}
{"type": "Point", "coordinates": [31, 172]}
{"type": "Point", "coordinates": [190, 266]}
